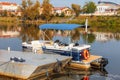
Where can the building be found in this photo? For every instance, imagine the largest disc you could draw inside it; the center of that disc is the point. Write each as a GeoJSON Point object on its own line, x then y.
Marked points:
{"type": "Point", "coordinates": [8, 6]}
{"type": "Point", "coordinates": [107, 8]}
{"type": "Point", "coordinates": [63, 10]}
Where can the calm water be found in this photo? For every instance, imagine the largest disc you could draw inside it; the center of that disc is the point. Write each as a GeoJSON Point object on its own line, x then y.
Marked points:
{"type": "Point", "coordinates": [104, 44]}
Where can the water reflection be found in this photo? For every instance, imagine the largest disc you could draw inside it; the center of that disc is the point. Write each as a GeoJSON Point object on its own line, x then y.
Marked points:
{"type": "Point", "coordinates": [73, 74]}
{"type": "Point", "coordinates": [69, 74]}
{"type": "Point", "coordinates": [28, 32]}
{"type": "Point", "coordinates": [104, 44]}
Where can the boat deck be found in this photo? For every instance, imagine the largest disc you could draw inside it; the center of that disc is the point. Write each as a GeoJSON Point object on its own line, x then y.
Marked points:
{"type": "Point", "coordinates": [85, 64]}
{"type": "Point", "coordinates": [91, 59]}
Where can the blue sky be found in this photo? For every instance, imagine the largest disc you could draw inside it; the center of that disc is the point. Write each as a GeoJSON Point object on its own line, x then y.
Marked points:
{"type": "Point", "coordinates": [60, 3]}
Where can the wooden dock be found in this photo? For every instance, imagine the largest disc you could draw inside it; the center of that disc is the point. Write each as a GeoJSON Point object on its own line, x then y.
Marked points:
{"type": "Point", "coordinates": [25, 65]}
{"type": "Point", "coordinates": [84, 64]}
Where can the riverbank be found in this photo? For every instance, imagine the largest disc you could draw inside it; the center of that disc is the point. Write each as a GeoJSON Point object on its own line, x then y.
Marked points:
{"type": "Point", "coordinates": [100, 23]}
{"type": "Point", "coordinates": [96, 23]}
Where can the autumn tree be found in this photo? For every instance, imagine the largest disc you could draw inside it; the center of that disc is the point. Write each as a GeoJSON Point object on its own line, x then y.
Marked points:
{"type": "Point", "coordinates": [118, 11]}
{"type": "Point", "coordinates": [37, 9]}
{"type": "Point", "coordinates": [47, 10]}
{"type": "Point", "coordinates": [30, 11]}
{"type": "Point", "coordinates": [89, 7]}
{"type": "Point", "coordinates": [76, 9]}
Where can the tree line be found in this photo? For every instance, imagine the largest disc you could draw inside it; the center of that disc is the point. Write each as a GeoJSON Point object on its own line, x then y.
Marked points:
{"type": "Point", "coordinates": [32, 11]}
{"type": "Point", "coordinates": [36, 11]}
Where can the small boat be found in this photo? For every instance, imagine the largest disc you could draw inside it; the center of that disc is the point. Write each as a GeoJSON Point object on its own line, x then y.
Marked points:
{"type": "Point", "coordinates": [27, 65]}
{"type": "Point", "coordinates": [80, 54]}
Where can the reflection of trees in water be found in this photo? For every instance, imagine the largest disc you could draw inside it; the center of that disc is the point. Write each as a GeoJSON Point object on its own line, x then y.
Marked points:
{"type": "Point", "coordinates": [29, 32]}
{"type": "Point", "coordinates": [48, 34]}
{"type": "Point", "coordinates": [75, 35]}
{"type": "Point", "coordinates": [88, 38]}
{"type": "Point", "coordinates": [77, 74]}
{"type": "Point", "coordinates": [9, 27]}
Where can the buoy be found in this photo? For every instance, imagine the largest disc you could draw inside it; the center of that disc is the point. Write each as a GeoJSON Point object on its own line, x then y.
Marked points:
{"type": "Point", "coordinates": [85, 78]}
{"type": "Point", "coordinates": [86, 54]}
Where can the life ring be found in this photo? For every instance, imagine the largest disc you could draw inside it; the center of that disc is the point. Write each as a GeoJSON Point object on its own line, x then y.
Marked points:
{"type": "Point", "coordinates": [85, 78]}
{"type": "Point", "coordinates": [86, 54]}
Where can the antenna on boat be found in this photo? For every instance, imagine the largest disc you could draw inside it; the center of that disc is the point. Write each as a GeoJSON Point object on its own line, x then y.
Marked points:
{"type": "Point", "coordinates": [86, 25]}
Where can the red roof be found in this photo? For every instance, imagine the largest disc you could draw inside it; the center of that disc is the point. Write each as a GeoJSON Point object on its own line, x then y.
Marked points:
{"type": "Point", "coordinates": [8, 3]}
{"type": "Point", "coordinates": [59, 8]}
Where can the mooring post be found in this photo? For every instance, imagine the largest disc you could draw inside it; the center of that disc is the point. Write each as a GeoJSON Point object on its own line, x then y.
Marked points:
{"type": "Point", "coordinates": [86, 25]}
{"type": "Point", "coordinates": [8, 48]}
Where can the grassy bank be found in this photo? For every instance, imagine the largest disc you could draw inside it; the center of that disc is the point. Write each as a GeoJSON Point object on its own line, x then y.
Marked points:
{"type": "Point", "coordinates": [100, 23]}
{"type": "Point", "coordinates": [96, 23]}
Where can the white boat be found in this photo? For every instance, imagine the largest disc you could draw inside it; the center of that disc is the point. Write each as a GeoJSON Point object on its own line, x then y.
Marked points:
{"type": "Point", "coordinates": [79, 52]}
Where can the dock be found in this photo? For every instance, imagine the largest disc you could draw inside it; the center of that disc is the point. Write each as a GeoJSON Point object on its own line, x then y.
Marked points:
{"type": "Point", "coordinates": [85, 64]}
{"type": "Point", "coordinates": [25, 65]}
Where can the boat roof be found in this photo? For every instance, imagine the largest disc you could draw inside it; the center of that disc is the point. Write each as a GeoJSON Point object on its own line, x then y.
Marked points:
{"type": "Point", "coordinates": [60, 26]}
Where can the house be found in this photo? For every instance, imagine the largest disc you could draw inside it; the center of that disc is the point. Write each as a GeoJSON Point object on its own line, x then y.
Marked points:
{"type": "Point", "coordinates": [63, 10]}
{"type": "Point", "coordinates": [11, 8]}
{"type": "Point", "coordinates": [8, 6]}
{"type": "Point", "coordinates": [107, 8]}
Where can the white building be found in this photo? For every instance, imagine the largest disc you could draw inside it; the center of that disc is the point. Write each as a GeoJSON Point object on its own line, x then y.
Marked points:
{"type": "Point", "coordinates": [66, 10]}
{"type": "Point", "coordinates": [8, 6]}
{"type": "Point", "coordinates": [106, 8]}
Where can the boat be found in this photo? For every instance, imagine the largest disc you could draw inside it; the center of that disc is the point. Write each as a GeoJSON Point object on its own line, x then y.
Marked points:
{"type": "Point", "coordinates": [80, 54]}
{"type": "Point", "coordinates": [27, 65]}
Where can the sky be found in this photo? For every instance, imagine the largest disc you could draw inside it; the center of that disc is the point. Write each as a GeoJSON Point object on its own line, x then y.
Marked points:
{"type": "Point", "coordinates": [67, 3]}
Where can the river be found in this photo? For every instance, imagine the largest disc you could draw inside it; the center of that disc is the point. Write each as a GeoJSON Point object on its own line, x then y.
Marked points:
{"type": "Point", "coordinates": [103, 44]}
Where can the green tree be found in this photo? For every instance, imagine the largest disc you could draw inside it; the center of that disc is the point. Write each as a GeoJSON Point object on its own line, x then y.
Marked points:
{"type": "Point", "coordinates": [76, 9]}
{"type": "Point", "coordinates": [89, 7]}
{"type": "Point", "coordinates": [47, 10]}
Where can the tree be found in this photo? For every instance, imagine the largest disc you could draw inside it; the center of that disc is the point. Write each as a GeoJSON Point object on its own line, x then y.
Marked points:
{"type": "Point", "coordinates": [76, 9]}
{"type": "Point", "coordinates": [29, 3]}
{"type": "Point", "coordinates": [47, 10]}
{"type": "Point", "coordinates": [118, 11]}
{"type": "Point", "coordinates": [24, 4]}
{"type": "Point", "coordinates": [30, 11]}
{"type": "Point", "coordinates": [89, 7]}
{"type": "Point", "coordinates": [37, 9]}
{"type": "Point", "coordinates": [23, 8]}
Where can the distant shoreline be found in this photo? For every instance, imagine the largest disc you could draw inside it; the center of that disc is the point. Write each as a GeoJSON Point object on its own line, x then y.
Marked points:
{"type": "Point", "coordinates": [96, 23]}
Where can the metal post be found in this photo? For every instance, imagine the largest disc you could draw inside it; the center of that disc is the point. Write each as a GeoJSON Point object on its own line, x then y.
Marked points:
{"type": "Point", "coordinates": [86, 25]}
{"type": "Point", "coordinates": [8, 48]}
